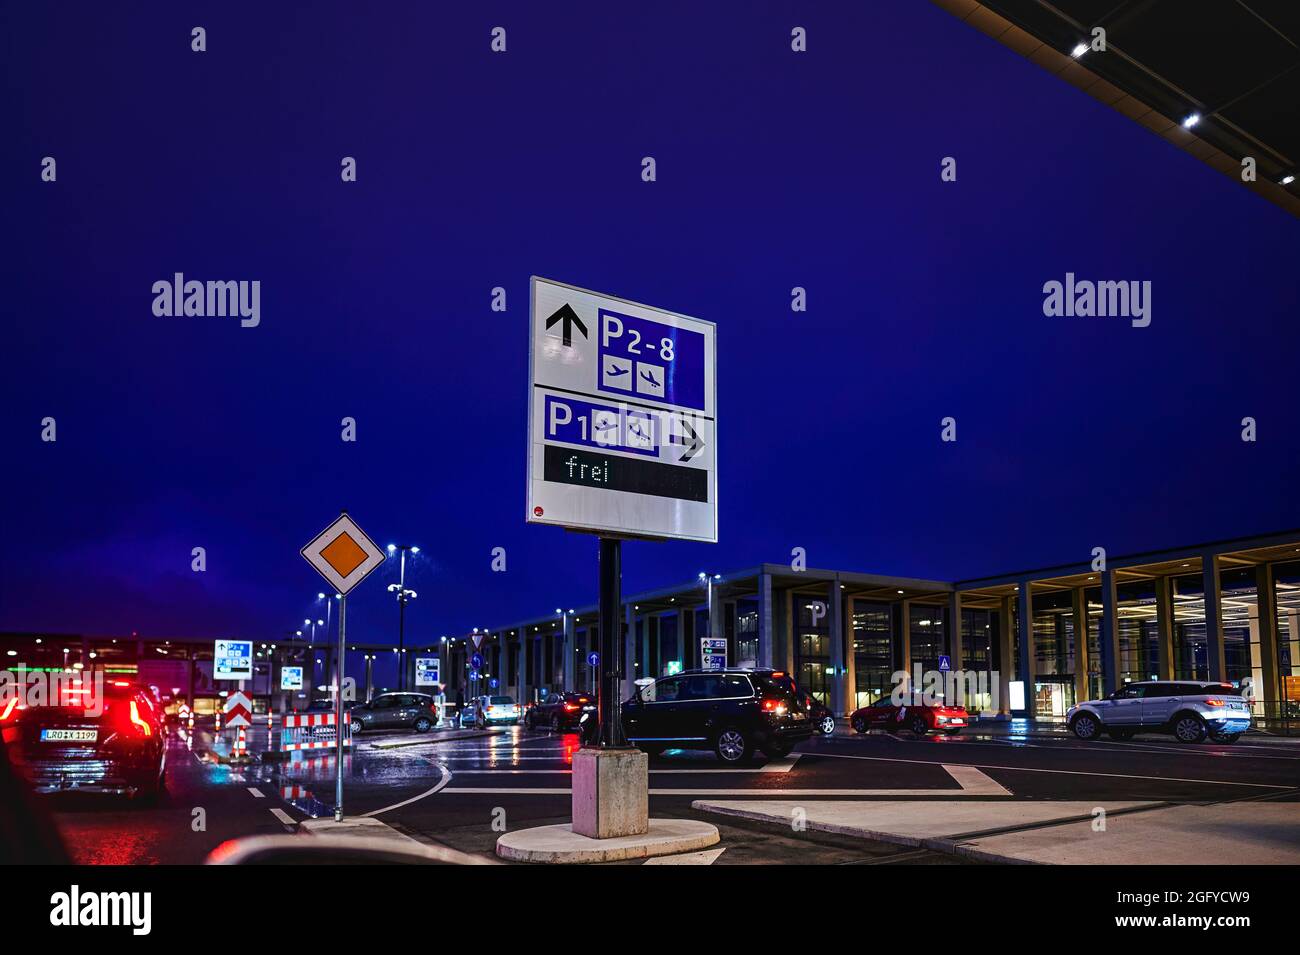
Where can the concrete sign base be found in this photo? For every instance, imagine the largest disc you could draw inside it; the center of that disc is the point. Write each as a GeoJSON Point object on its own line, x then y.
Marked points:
{"type": "Point", "coordinates": [611, 793]}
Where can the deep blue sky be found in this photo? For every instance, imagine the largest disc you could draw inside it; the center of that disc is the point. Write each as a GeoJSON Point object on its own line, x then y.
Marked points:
{"type": "Point", "coordinates": [775, 169]}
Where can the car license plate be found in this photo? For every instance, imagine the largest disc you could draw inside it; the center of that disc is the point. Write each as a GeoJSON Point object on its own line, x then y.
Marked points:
{"type": "Point", "coordinates": [589, 709]}
{"type": "Point", "coordinates": [69, 736]}
{"type": "Point", "coordinates": [956, 722]}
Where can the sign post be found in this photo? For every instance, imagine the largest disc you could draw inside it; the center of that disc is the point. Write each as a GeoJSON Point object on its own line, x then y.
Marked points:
{"type": "Point", "coordinates": [622, 443]}
{"type": "Point", "coordinates": [344, 555]}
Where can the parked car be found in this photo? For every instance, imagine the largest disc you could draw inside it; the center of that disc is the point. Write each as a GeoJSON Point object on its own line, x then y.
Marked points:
{"type": "Point", "coordinates": [496, 710]}
{"type": "Point", "coordinates": [823, 720]}
{"type": "Point", "coordinates": [388, 711]}
{"type": "Point", "coordinates": [1189, 709]}
{"type": "Point", "coordinates": [116, 745]}
{"type": "Point", "coordinates": [560, 711]}
{"type": "Point", "coordinates": [732, 712]}
{"type": "Point", "coordinates": [921, 718]}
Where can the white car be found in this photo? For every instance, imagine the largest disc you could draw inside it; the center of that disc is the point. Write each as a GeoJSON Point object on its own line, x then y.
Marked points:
{"type": "Point", "coordinates": [1189, 709]}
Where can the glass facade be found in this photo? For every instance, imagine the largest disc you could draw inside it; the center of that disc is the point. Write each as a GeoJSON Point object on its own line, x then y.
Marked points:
{"type": "Point", "coordinates": [746, 634]}
{"type": "Point", "coordinates": [812, 646]}
{"type": "Point", "coordinates": [873, 652]}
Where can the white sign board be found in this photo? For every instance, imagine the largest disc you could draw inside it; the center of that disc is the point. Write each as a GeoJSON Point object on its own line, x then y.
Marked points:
{"type": "Point", "coordinates": [232, 660]}
{"type": "Point", "coordinates": [426, 671]}
{"type": "Point", "coordinates": [622, 427]}
{"type": "Point", "coordinates": [291, 678]}
{"type": "Point", "coordinates": [343, 554]}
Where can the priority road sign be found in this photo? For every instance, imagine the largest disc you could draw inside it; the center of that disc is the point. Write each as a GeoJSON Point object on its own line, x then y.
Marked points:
{"type": "Point", "coordinates": [343, 554]}
{"type": "Point", "coordinates": [622, 418]}
{"type": "Point", "coordinates": [238, 710]}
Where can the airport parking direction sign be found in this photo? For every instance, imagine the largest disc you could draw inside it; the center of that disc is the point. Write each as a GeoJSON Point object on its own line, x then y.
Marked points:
{"type": "Point", "coordinates": [343, 554]}
{"type": "Point", "coordinates": [713, 653]}
{"type": "Point", "coordinates": [232, 660]}
{"type": "Point", "coordinates": [291, 678]}
{"type": "Point", "coordinates": [426, 671]}
{"type": "Point", "coordinates": [622, 418]}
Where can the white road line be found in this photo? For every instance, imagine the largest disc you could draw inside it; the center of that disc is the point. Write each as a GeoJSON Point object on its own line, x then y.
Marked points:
{"type": "Point", "coordinates": [707, 857]}
{"type": "Point", "coordinates": [971, 781]}
{"type": "Point", "coordinates": [557, 772]}
{"type": "Point", "coordinates": [283, 816]}
{"type": "Point", "coordinates": [257, 793]}
{"type": "Point", "coordinates": [1064, 772]}
{"type": "Point", "coordinates": [779, 766]}
{"type": "Point", "coordinates": [445, 774]}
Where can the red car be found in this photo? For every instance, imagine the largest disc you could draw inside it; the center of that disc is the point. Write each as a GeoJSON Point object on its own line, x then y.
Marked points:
{"type": "Point", "coordinates": [919, 718]}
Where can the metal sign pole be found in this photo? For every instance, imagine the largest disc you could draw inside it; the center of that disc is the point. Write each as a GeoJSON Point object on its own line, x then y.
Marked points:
{"type": "Point", "coordinates": [611, 632]}
{"type": "Point", "coordinates": [338, 713]}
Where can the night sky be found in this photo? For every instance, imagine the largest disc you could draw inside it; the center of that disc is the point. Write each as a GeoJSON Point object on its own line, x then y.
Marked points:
{"type": "Point", "coordinates": [476, 169]}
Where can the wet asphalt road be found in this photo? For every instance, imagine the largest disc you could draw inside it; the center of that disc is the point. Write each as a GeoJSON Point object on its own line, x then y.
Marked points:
{"type": "Point", "coordinates": [460, 792]}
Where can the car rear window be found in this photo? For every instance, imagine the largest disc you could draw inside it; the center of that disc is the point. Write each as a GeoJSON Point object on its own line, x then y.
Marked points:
{"type": "Point", "coordinates": [1214, 689]}
{"type": "Point", "coordinates": [501, 700]}
{"type": "Point", "coordinates": [782, 683]}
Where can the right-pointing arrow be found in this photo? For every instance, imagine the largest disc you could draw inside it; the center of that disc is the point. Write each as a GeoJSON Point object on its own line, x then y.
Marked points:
{"type": "Point", "coordinates": [690, 439]}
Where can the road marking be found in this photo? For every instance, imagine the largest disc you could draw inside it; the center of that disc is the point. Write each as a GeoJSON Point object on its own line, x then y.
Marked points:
{"type": "Point", "coordinates": [971, 781]}
{"type": "Point", "coordinates": [445, 774]}
{"type": "Point", "coordinates": [283, 816]}
{"type": "Point", "coordinates": [556, 772]}
{"type": "Point", "coordinates": [775, 766]}
{"type": "Point", "coordinates": [257, 793]}
{"type": "Point", "coordinates": [707, 857]}
{"type": "Point", "coordinates": [1064, 772]}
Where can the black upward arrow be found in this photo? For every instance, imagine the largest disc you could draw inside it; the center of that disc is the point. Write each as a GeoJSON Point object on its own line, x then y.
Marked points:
{"type": "Point", "coordinates": [569, 317]}
{"type": "Point", "coordinates": [690, 439]}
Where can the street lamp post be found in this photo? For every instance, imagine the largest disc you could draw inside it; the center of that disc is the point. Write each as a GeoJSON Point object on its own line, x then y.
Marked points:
{"type": "Point", "coordinates": [403, 594]}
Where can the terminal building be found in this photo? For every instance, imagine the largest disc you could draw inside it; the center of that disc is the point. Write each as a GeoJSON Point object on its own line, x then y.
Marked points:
{"type": "Point", "coordinates": [1045, 638]}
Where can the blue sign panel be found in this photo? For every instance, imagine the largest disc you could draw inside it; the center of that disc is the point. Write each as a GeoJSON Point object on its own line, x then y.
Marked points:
{"type": "Point", "coordinates": [476, 661]}
{"type": "Point", "coordinates": [593, 658]}
{"type": "Point", "coordinates": [945, 664]}
{"type": "Point", "coordinates": [232, 660]}
{"type": "Point", "coordinates": [648, 359]}
{"type": "Point", "coordinates": [602, 426]}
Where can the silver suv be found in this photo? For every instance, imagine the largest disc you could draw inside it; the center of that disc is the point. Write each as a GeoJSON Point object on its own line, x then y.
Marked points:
{"type": "Point", "coordinates": [1191, 710]}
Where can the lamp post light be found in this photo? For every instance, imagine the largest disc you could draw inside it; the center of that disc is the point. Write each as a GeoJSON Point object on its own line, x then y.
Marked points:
{"type": "Point", "coordinates": [403, 595]}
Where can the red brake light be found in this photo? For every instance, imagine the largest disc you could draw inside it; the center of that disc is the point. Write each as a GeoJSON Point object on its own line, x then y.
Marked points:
{"type": "Point", "coordinates": [570, 706]}
{"type": "Point", "coordinates": [778, 673]}
{"type": "Point", "coordinates": [1213, 701]}
{"type": "Point", "coordinates": [145, 728]}
{"type": "Point", "coordinates": [773, 706]}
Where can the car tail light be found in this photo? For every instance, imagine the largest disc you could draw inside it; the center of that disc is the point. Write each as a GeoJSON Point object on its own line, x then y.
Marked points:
{"type": "Point", "coordinates": [1214, 701]}
{"type": "Point", "coordinates": [773, 706]}
{"type": "Point", "coordinates": [570, 707]}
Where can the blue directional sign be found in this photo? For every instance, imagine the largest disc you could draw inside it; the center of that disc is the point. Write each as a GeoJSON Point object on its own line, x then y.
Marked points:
{"type": "Point", "coordinates": [945, 664]}
{"type": "Point", "coordinates": [713, 653]}
{"type": "Point", "coordinates": [622, 417]}
{"type": "Point", "coordinates": [593, 658]}
{"type": "Point", "coordinates": [427, 671]}
{"type": "Point", "coordinates": [494, 683]}
{"type": "Point", "coordinates": [232, 660]}
{"type": "Point", "coordinates": [476, 661]}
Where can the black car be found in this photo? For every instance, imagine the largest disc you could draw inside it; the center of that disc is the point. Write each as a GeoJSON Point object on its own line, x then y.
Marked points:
{"type": "Point", "coordinates": [115, 744]}
{"type": "Point", "coordinates": [822, 718]}
{"type": "Point", "coordinates": [560, 711]}
{"type": "Point", "coordinates": [390, 711]}
{"type": "Point", "coordinates": [732, 712]}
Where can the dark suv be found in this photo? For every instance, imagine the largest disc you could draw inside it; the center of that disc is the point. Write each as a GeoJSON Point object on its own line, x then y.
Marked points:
{"type": "Point", "coordinates": [395, 711]}
{"type": "Point", "coordinates": [731, 712]}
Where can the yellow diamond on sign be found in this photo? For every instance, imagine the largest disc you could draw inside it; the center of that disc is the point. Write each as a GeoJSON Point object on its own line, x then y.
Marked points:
{"type": "Point", "coordinates": [343, 554]}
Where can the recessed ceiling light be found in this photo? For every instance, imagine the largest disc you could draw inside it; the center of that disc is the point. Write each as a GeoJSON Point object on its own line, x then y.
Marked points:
{"type": "Point", "coordinates": [1191, 120]}
{"type": "Point", "coordinates": [1079, 50]}
{"type": "Point", "coordinates": [1288, 179]}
